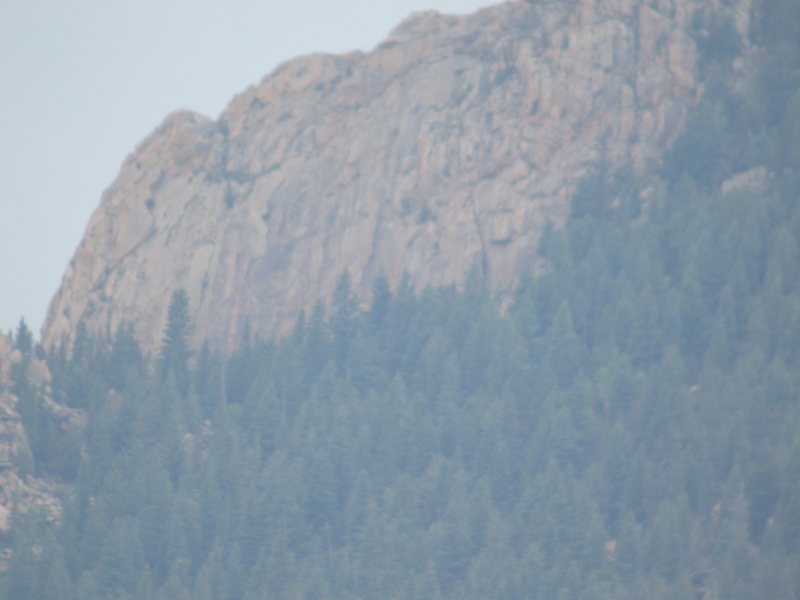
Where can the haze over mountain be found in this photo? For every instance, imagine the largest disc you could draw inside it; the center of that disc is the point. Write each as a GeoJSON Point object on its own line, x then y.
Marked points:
{"type": "Point", "coordinates": [605, 407]}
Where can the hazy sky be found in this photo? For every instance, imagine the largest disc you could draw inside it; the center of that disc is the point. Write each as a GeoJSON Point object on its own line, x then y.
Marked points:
{"type": "Point", "coordinates": [82, 81]}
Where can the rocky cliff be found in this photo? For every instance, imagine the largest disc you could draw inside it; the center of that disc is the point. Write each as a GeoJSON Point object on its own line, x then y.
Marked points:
{"type": "Point", "coordinates": [449, 145]}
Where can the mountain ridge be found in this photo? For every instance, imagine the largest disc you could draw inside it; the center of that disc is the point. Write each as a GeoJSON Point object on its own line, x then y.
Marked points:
{"type": "Point", "coordinates": [452, 143]}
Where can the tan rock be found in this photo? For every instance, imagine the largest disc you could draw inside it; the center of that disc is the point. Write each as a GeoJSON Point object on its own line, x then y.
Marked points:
{"type": "Point", "coordinates": [754, 181]}
{"type": "Point", "coordinates": [450, 144]}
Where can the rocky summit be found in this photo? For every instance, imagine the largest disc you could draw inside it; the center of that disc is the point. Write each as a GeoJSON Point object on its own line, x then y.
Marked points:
{"type": "Point", "coordinates": [450, 145]}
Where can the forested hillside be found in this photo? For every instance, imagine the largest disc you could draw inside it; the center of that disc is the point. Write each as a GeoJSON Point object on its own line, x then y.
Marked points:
{"type": "Point", "coordinates": [628, 428]}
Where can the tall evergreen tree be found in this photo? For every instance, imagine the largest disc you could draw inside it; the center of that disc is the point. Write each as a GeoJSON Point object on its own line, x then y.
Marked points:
{"type": "Point", "coordinates": [23, 340]}
{"type": "Point", "coordinates": [343, 318]}
{"type": "Point", "coordinates": [175, 345]}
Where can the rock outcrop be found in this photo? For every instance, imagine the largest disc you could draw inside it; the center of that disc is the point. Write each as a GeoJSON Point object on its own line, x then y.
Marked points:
{"type": "Point", "coordinates": [450, 145]}
{"type": "Point", "coordinates": [19, 490]}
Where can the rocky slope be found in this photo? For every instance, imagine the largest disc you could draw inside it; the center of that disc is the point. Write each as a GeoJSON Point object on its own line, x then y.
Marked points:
{"type": "Point", "coordinates": [449, 145]}
{"type": "Point", "coordinates": [19, 489]}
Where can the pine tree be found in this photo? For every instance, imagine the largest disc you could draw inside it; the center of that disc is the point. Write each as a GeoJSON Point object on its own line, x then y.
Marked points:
{"type": "Point", "coordinates": [343, 319]}
{"type": "Point", "coordinates": [175, 345]}
{"type": "Point", "coordinates": [23, 340]}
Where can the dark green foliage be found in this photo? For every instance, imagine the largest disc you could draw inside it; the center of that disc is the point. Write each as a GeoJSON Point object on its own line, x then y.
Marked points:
{"type": "Point", "coordinates": [343, 322]}
{"type": "Point", "coordinates": [777, 21]}
{"type": "Point", "coordinates": [703, 151]}
{"type": "Point", "coordinates": [175, 346]}
{"type": "Point", "coordinates": [23, 340]}
{"type": "Point", "coordinates": [717, 38]}
{"type": "Point", "coordinates": [125, 358]}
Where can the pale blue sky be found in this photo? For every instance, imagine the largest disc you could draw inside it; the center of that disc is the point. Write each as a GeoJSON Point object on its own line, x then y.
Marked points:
{"type": "Point", "coordinates": [81, 82]}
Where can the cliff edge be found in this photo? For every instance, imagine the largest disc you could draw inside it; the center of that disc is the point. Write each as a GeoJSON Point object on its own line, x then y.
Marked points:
{"type": "Point", "coordinates": [449, 145]}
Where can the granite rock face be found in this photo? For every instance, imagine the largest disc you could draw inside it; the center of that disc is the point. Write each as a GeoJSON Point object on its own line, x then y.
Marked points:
{"type": "Point", "coordinates": [449, 145]}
